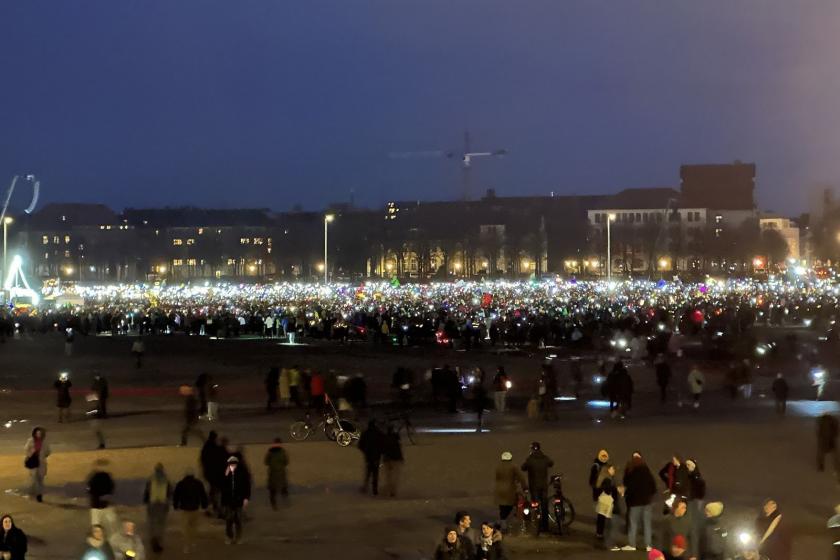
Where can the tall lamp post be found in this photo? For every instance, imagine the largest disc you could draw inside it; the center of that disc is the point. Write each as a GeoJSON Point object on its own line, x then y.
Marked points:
{"type": "Point", "coordinates": [610, 219]}
{"type": "Point", "coordinates": [6, 221]}
{"type": "Point", "coordinates": [327, 219]}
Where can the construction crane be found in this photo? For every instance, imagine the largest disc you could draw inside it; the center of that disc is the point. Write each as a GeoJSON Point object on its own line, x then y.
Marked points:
{"type": "Point", "coordinates": [466, 156]}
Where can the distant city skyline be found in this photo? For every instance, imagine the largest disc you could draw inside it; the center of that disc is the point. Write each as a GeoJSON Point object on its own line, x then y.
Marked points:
{"type": "Point", "coordinates": [267, 104]}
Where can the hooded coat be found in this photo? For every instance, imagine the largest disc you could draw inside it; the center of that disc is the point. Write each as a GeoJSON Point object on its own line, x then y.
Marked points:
{"type": "Point", "coordinates": [14, 542]}
{"type": "Point", "coordinates": [507, 477]}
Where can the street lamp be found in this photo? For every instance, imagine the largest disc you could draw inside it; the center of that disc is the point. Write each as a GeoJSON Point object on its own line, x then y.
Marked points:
{"type": "Point", "coordinates": [610, 219]}
{"type": "Point", "coordinates": [327, 219]}
{"type": "Point", "coordinates": [6, 221]}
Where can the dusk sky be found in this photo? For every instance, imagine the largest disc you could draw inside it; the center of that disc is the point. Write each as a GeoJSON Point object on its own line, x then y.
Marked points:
{"type": "Point", "coordinates": [272, 103]}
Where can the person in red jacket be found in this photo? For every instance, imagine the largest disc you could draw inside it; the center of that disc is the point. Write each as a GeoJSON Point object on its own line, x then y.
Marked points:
{"type": "Point", "coordinates": [316, 390]}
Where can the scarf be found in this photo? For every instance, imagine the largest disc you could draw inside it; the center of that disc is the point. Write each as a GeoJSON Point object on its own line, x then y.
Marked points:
{"type": "Point", "coordinates": [486, 542]}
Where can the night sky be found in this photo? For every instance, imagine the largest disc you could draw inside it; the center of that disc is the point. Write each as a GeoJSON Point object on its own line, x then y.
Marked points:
{"type": "Point", "coordinates": [272, 103]}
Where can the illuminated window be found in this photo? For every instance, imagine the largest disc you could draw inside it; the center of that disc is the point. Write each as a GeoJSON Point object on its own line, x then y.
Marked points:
{"type": "Point", "coordinates": [269, 242]}
{"type": "Point", "coordinates": [218, 274]}
{"type": "Point", "coordinates": [231, 262]}
{"type": "Point", "coordinates": [202, 262]}
{"type": "Point", "coordinates": [45, 239]}
{"type": "Point", "coordinates": [66, 254]}
{"type": "Point", "coordinates": [258, 241]}
{"type": "Point", "coordinates": [177, 242]}
{"type": "Point", "coordinates": [177, 262]}
{"type": "Point", "coordinates": [201, 231]}
{"type": "Point", "coordinates": [190, 241]}
{"type": "Point", "coordinates": [46, 255]}
{"type": "Point", "coordinates": [191, 262]}
{"type": "Point", "coordinates": [55, 240]}
{"type": "Point", "coordinates": [718, 218]}
{"type": "Point", "coordinates": [101, 227]}
{"type": "Point", "coordinates": [63, 218]}
{"type": "Point", "coordinates": [66, 239]}
{"type": "Point", "coordinates": [268, 250]}
{"type": "Point", "coordinates": [81, 246]}
{"type": "Point", "coordinates": [107, 227]}
{"type": "Point", "coordinates": [244, 240]}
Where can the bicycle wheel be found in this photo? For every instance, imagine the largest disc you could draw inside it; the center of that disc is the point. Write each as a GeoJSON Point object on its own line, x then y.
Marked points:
{"type": "Point", "coordinates": [300, 430]}
{"type": "Point", "coordinates": [410, 432]}
{"type": "Point", "coordinates": [568, 510]}
{"type": "Point", "coordinates": [343, 438]}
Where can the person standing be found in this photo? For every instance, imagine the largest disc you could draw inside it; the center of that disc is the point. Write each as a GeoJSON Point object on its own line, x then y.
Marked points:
{"type": "Point", "coordinates": [127, 545]}
{"type": "Point", "coordinates": [63, 399]}
{"type": "Point", "coordinates": [450, 548]}
{"type": "Point", "coordinates": [536, 466]}
{"type": "Point", "coordinates": [98, 545]}
{"type": "Point", "coordinates": [680, 523]}
{"type": "Point", "coordinates": [272, 380]}
{"type": "Point", "coordinates": [489, 545]}
{"type": "Point", "coordinates": [774, 539]}
{"type": "Point", "coordinates": [283, 388]}
{"type": "Point", "coordinates": [509, 481]}
{"type": "Point", "coordinates": [827, 442]}
{"type": "Point", "coordinates": [138, 348]}
{"type": "Point", "coordinates": [191, 412]}
{"type": "Point", "coordinates": [69, 338]}
{"type": "Point", "coordinates": [780, 393]}
{"type": "Point", "coordinates": [675, 476]}
{"type": "Point", "coordinates": [99, 485]}
{"type": "Point", "coordinates": [392, 461]}
{"type": "Point", "coordinates": [35, 453]}
{"type": "Point", "coordinates": [663, 376]}
{"type": "Point", "coordinates": [606, 506]}
{"type": "Point", "coordinates": [201, 384]}
{"type": "Point", "coordinates": [600, 460]}
{"type": "Point", "coordinates": [213, 402]}
{"type": "Point", "coordinates": [466, 534]}
{"type": "Point", "coordinates": [696, 382]}
{"type": "Point", "coordinates": [277, 461]}
{"type": "Point", "coordinates": [713, 543]}
{"type": "Point", "coordinates": [294, 385]}
{"type": "Point", "coordinates": [370, 444]}
{"type": "Point", "coordinates": [501, 384]}
{"type": "Point", "coordinates": [13, 543]}
{"type": "Point", "coordinates": [317, 398]}
{"type": "Point", "coordinates": [99, 387]}
{"type": "Point", "coordinates": [236, 491]}
{"type": "Point", "coordinates": [479, 401]}
{"type": "Point", "coordinates": [213, 463]}
{"type": "Point", "coordinates": [157, 496]}
{"type": "Point", "coordinates": [640, 488]}
{"type": "Point", "coordinates": [189, 498]}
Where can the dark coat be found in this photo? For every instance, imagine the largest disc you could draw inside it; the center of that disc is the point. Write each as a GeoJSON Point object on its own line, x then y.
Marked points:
{"type": "Point", "coordinates": [236, 487]}
{"type": "Point", "coordinates": [371, 444]}
{"type": "Point", "coordinates": [594, 470]}
{"type": "Point", "coordinates": [778, 545]}
{"type": "Point", "coordinates": [276, 460]}
{"type": "Point", "coordinates": [663, 374]}
{"type": "Point", "coordinates": [685, 526]}
{"type": "Point", "coordinates": [537, 465]}
{"type": "Point", "coordinates": [446, 551]}
{"type": "Point", "coordinates": [63, 398]}
{"type": "Point", "coordinates": [391, 447]}
{"type": "Point", "coordinates": [640, 486]}
{"type": "Point", "coordinates": [713, 540]}
{"type": "Point", "coordinates": [494, 552]}
{"type": "Point", "coordinates": [675, 478]}
{"type": "Point", "coordinates": [189, 494]}
{"type": "Point", "coordinates": [780, 388]}
{"type": "Point", "coordinates": [13, 541]}
{"type": "Point", "coordinates": [696, 485]}
{"type": "Point", "coordinates": [827, 432]}
{"type": "Point", "coordinates": [213, 462]}
{"type": "Point", "coordinates": [507, 478]}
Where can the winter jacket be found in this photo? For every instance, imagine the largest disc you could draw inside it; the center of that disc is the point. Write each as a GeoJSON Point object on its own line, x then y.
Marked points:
{"type": "Point", "coordinates": [640, 486]}
{"type": "Point", "coordinates": [276, 460]}
{"type": "Point", "coordinates": [213, 462]}
{"type": "Point", "coordinates": [102, 551]}
{"type": "Point", "coordinates": [62, 388]}
{"type": "Point", "coordinates": [236, 487]}
{"type": "Point", "coordinates": [714, 544]}
{"type": "Point", "coordinates": [158, 491]}
{"type": "Point", "coordinates": [778, 545]}
{"type": "Point", "coordinates": [675, 478]}
{"type": "Point", "coordinates": [370, 444]}
{"type": "Point", "coordinates": [189, 494]}
{"type": "Point", "coordinates": [14, 542]}
{"type": "Point", "coordinates": [826, 432]}
{"type": "Point", "coordinates": [391, 448]}
{"type": "Point", "coordinates": [780, 388]}
{"type": "Point", "coordinates": [507, 476]}
{"type": "Point", "coordinates": [99, 484]}
{"type": "Point", "coordinates": [673, 526]}
{"type": "Point", "coordinates": [537, 465]}
{"type": "Point", "coordinates": [609, 487]}
{"type": "Point", "coordinates": [122, 543]}
{"type": "Point", "coordinates": [29, 450]}
{"type": "Point", "coordinates": [663, 374]}
{"type": "Point", "coordinates": [446, 551]}
{"type": "Point", "coordinates": [493, 551]}
{"type": "Point", "coordinates": [594, 471]}
{"type": "Point", "coordinates": [696, 485]}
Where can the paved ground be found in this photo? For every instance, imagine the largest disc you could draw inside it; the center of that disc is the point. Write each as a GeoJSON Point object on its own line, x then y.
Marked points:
{"type": "Point", "coordinates": [744, 450]}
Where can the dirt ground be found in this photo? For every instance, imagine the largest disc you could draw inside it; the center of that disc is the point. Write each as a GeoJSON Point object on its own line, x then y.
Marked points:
{"type": "Point", "coordinates": [745, 452]}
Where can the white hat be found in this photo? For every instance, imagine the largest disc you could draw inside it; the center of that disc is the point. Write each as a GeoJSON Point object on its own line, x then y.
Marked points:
{"type": "Point", "coordinates": [507, 456]}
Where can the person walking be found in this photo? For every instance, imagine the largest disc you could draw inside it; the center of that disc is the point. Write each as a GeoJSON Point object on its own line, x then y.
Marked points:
{"type": "Point", "coordinates": [317, 392]}
{"type": "Point", "coordinates": [98, 546]}
{"type": "Point", "coordinates": [501, 385]}
{"type": "Point", "coordinates": [370, 444]}
{"type": "Point", "coordinates": [640, 488]}
{"type": "Point", "coordinates": [201, 384]}
{"type": "Point", "coordinates": [663, 376]}
{"type": "Point", "coordinates": [127, 545]}
{"type": "Point", "coordinates": [272, 381]}
{"type": "Point", "coordinates": [696, 382]}
{"type": "Point", "coordinates": [13, 542]}
{"type": "Point", "coordinates": [774, 539]}
{"type": "Point", "coordinates": [191, 413]}
{"type": "Point", "coordinates": [36, 450]}
{"type": "Point", "coordinates": [780, 393]}
{"type": "Point", "coordinates": [63, 399]}
{"type": "Point", "coordinates": [157, 496]}
{"type": "Point", "coordinates": [236, 492]}
{"type": "Point", "coordinates": [277, 462]}
{"type": "Point", "coordinates": [190, 499]}
{"type": "Point", "coordinates": [213, 402]}
{"type": "Point", "coordinates": [509, 482]}
{"type": "Point", "coordinates": [213, 464]}
{"type": "Point", "coordinates": [392, 461]}
{"type": "Point", "coordinates": [536, 466]}
{"type": "Point", "coordinates": [827, 442]}
{"type": "Point", "coordinates": [99, 387]}
{"type": "Point", "coordinates": [100, 484]}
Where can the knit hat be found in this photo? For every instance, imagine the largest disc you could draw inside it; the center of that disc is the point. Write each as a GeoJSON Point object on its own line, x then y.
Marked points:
{"type": "Point", "coordinates": [679, 542]}
{"type": "Point", "coordinates": [714, 509]}
{"type": "Point", "coordinates": [233, 459]}
{"type": "Point", "coordinates": [655, 555]}
{"type": "Point", "coordinates": [507, 456]}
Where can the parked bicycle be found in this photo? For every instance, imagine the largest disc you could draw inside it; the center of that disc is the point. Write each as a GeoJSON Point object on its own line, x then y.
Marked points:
{"type": "Point", "coordinates": [343, 432]}
{"type": "Point", "coordinates": [402, 423]}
